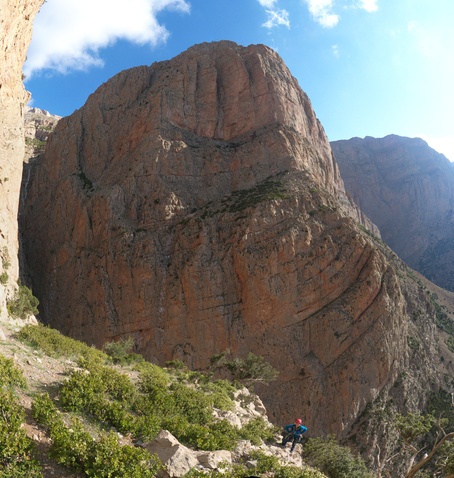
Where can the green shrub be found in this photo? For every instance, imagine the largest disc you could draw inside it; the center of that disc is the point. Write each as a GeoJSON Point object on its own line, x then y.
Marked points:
{"type": "Point", "coordinates": [121, 351]}
{"type": "Point", "coordinates": [16, 449]}
{"type": "Point", "coordinates": [414, 425]}
{"type": "Point", "coordinates": [44, 410]}
{"type": "Point", "coordinates": [450, 343]}
{"type": "Point", "coordinates": [151, 376]}
{"type": "Point", "coordinates": [110, 459]}
{"type": "Point", "coordinates": [257, 430]}
{"type": "Point", "coordinates": [193, 404]}
{"type": "Point", "coordinates": [103, 392]}
{"type": "Point", "coordinates": [220, 435]}
{"type": "Point", "coordinates": [10, 375]}
{"type": "Point", "coordinates": [23, 304]}
{"type": "Point", "coordinates": [334, 460]}
{"type": "Point", "coordinates": [74, 447]}
{"type": "Point", "coordinates": [4, 277]}
{"type": "Point", "coordinates": [51, 342]}
{"type": "Point", "coordinates": [221, 393]}
{"type": "Point", "coordinates": [71, 446]}
{"type": "Point", "coordinates": [249, 370]}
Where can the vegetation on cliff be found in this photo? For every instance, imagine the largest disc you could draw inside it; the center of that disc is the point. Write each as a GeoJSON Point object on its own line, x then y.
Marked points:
{"type": "Point", "coordinates": [97, 417]}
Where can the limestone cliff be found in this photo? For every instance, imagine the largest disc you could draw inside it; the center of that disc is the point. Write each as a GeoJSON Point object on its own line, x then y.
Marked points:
{"type": "Point", "coordinates": [407, 189]}
{"type": "Point", "coordinates": [196, 206]}
{"type": "Point", "coordinates": [16, 22]}
{"type": "Point", "coordinates": [38, 124]}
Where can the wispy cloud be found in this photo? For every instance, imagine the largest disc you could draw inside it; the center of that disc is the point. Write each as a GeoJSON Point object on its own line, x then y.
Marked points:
{"type": "Point", "coordinates": [321, 11]}
{"type": "Point", "coordinates": [324, 11]}
{"type": "Point", "coordinates": [369, 5]}
{"type": "Point", "coordinates": [276, 16]}
{"type": "Point", "coordinates": [68, 34]}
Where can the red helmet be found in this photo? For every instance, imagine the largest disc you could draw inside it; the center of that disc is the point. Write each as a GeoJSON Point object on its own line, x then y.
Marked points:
{"type": "Point", "coordinates": [298, 421]}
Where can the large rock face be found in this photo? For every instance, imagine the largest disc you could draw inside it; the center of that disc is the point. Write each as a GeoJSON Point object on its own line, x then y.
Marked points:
{"type": "Point", "coordinates": [195, 205]}
{"type": "Point", "coordinates": [15, 35]}
{"type": "Point", "coordinates": [407, 189]}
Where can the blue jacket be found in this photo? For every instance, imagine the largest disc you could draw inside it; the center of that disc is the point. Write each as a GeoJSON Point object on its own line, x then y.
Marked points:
{"type": "Point", "coordinates": [295, 430]}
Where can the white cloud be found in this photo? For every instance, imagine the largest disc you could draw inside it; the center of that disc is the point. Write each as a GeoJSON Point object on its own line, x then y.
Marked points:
{"type": "Point", "coordinates": [267, 3]}
{"type": "Point", "coordinates": [335, 50]}
{"type": "Point", "coordinates": [68, 34]}
{"type": "Point", "coordinates": [369, 5]}
{"type": "Point", "coordinates": [275, 15]}
{"type": "Point", "coordinates": [321, 11]}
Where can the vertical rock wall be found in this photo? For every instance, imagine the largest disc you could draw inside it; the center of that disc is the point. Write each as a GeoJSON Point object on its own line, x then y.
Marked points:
{"type": "Point", "coordinates": [16, 21]}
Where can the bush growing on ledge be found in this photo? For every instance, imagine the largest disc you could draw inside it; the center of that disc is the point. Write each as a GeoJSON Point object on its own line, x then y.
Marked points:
{"type": "Point", "coordinates": [249, 370]}
{"type": "Point", "coordinates": [51, 342]}
{"type": "Point", "coordinates": [120, 351]}
{"type": "Point", "coordinates": [23, 304]}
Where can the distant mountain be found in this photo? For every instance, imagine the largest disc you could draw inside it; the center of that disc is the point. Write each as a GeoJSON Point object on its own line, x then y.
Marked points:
{"type": "Point", "coordinates": [407, 189]}
{"type": "Point", "coordinates": [38, 125]}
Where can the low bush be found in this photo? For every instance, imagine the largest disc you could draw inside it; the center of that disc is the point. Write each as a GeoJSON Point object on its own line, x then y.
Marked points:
{"type": "Point", "coordinates": [248, 371]}
{"type": "Point", "coordinates": [334, 460]}
{"type": "Point", "coordinates": [103, 457]}
{"type": "Point", "coordinates": [257, 430]}
{"type": "Point", "coordinates": [16, 449]}
{"type": "Point", "coordinates": [53, 343]}
{"type": "Point", "coordinates": [120, 351]}
{"type": "Point", "coordinates": [103, 392]}
{"type": "Point", "coordinates": [10, 375]}
{"type": "Point", "coordinates": [23, 304]}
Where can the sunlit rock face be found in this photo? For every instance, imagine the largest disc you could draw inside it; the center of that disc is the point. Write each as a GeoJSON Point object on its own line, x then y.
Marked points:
{"type": "Point", "coordinates": [407, 189]}
{"type": "Point", "coordinates": [15, 35]}
{"type": "Point", "coordinates": [195, 205]}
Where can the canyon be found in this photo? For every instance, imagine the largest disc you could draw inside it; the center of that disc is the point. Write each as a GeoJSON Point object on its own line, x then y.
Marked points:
{"type": "Point", "coordinates": [196, 206]}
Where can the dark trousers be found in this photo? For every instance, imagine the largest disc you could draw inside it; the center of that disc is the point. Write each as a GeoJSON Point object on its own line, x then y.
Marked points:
{"type": "Point", "coordinates": [292, 438]}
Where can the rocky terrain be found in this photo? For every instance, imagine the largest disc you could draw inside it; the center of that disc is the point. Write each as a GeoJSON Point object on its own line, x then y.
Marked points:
{"type": "Point", "coordinates": [407, 189]}
{"type": "Point", "coordinates": [195, 206]}
{"type": "Point", "coordinates": [46, 372]}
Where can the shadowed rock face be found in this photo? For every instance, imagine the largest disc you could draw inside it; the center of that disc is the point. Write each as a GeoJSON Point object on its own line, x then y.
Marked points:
{"type": "Point", "coordinates": [195, 205]}
{"type": "Point", "coordinates": [407, 189]}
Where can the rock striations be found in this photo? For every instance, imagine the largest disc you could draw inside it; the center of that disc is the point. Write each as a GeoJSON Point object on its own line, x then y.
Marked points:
{"type": "Point", "coordinates": [195, 205]}
{"type": "Point", "coordinates": [407, 189]}
{"type": "Point", "coordinates": [15, 35]}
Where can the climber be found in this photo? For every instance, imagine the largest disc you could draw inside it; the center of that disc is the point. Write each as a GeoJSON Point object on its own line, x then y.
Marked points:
{"type": "Point", "coordinates": [293, 432]}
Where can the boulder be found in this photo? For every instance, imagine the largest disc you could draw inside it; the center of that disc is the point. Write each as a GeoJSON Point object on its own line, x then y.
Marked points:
{"type": "Point", "coordinates": [213, 459]}
{"type": "Point", "coordinates": [177, 458]}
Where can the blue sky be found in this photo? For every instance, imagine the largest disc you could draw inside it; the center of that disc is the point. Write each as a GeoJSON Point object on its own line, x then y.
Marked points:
{"type": "Point", "coordinates": [370, 67]}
